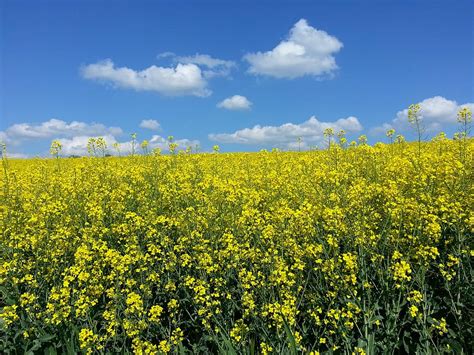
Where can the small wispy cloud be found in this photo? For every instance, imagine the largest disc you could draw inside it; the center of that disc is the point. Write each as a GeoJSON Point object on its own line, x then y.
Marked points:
{"type": "Point", "coordinates": [153, 125]}
{"type": "Point", "coordinates": [211, 67]}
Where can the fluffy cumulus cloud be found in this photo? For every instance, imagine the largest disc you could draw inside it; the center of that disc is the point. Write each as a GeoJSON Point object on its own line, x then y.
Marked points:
{"type": "Point", "coordinates": [4, 139]}
{"type": "Point", "coordinates": [17, 155]}
{"type": "Point", "coordinates": [157, 141]}
{"type": "Point", "coordinates": [153, 125]}
{"type": "Point", "coordinates": [311, 132]}
{"type": "Point", "coordinates": [75, 135]}
{"type": "Point", "coordinates": [211, 67]}
{"type": "Point", "coordinates": [183, 79]}
{"type": "Point", "coordinates": [78, 145]}
{"type": "Point", "coordinates": [306, 51]}
{"type": "Point", "coordinates": [236, 102]}
{"type": "Point", "coordinates": [54, 128]}
{"type": "Point", "coordinates": [437, 113]}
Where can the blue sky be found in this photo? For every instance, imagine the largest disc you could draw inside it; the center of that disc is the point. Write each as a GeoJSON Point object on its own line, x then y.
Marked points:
{"type": "Point", "coordinates": [74, 69]}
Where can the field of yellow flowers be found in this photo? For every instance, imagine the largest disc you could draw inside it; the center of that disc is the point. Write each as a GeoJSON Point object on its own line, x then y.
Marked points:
{"type": "Point", "coordinates": [362, 249]}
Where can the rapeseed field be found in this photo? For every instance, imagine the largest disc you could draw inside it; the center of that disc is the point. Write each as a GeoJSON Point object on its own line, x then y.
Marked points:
{"type": "Point", "coordinates": [352, 249]}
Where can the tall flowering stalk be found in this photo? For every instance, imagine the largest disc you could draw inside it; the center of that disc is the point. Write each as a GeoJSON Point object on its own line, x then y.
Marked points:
{"type": "Point", "coordinates": [55, 148]}
{"type": "Point", "coordinates": [415, 119]}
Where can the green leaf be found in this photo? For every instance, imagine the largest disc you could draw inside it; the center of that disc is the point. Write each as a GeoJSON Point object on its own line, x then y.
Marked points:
{"type": "Point", "coordinates": [252, 346]}
{"type": "Point", "coordinates": [457, 348]}
{"type": "Point", "coordinates": [230, 350]}
{"type": "Point", "coordinates": [36, 346]}
{"type": "Point", "coordinates": [46, 337]}
{"type": "Point", "coordinates": [181, 349]}
{"type": "Point", "coordinates": [371, 344]}
{"type": "Point", "coordinates": [291, 338]}
{"type": "Point", "coordinates": [50, 351]}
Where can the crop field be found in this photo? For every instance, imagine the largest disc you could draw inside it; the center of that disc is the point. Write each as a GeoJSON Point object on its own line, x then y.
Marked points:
{"type": "Point", "coordinates": [348, 250]}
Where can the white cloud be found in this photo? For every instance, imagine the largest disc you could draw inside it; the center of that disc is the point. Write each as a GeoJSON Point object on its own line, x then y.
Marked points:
{"type": "Point", "coordinates": [236, 102]}
{"type": "Point", "coordinates": [150, 124]}
{"type": "Point", "coordinates": [205, 60]}
{"type": "Point", "coordinates": [381, 130]}
{"type": "Point", "coordinates": [184, 79]}
{"type": "Point", "coordinates": [212, 67]}
{"type": "Point", "coordinates": [17, 155]}
{"type": "Point", "coordinates": [75, 135]}
{"type": "Point", "coordinates": [311, 131]}
{"type": "Point", "coordinates": [166, 55]}
{"type": "Point", "coordinates": [54, 128]}
{"type": "Point", "coordinates": [306, 51]}
{"type": "Point", "coordinates": [162, 143]}
{"type": "Point", "coordinates": [4, 138]}
{"type": "Point", "coordinates": [437, 113]}
{"type": "Point", "coordinates": [78, 145]}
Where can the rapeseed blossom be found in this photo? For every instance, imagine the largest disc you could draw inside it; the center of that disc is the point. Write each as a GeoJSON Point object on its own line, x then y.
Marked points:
{"type": "Point", "coordinates": [271, 252]}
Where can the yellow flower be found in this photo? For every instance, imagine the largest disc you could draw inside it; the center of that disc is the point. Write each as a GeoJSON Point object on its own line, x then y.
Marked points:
{"type": "Point", "coordinates": [134, 304]}
{"type": "Point", "coordinates": [265, 348]}
{"type": "Point", "coordinates": [401, 272]}
{"type": "Point", "coordinates": [87, 338]}
{"type": "Point", "coordinates": [441, 326]}
{"type": "Point", "coordinates": [155, 313]}
{"type": "Point", "coordinates": [415, 296]}
{"type": "Point", "coordinates": [165, 346]}
{"type": "Point", "coordinates": [9, 315]}
{"type": "Point", "coordinates": [414, 311]}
